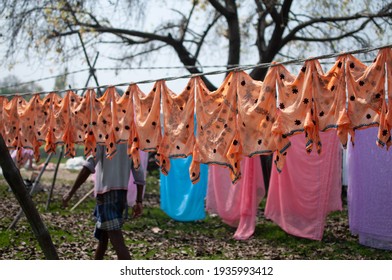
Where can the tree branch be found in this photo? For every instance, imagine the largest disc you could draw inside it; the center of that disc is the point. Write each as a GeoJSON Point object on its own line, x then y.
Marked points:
{"type": "Point", "coordinates": [276, 17]}
{"type": "Point", "coordinates": [56, 34]}
{"type": "Point", "coordinates": [201, 41]}
{"type": "Point", "coordinates": [137, 54]}
{"type": "Point", "coordinates": [334, 38]}
{"type": "Point", "coordinates": [289, 37]}
{"type": "Point", "coordinates": [220, 8]}
{"type": "Point", "coordinates": [187, 21]}
{"type": "Point", "coordinates": [276, 38]}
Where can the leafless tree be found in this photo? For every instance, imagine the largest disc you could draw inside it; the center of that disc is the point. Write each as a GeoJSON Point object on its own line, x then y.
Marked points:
{"type": "Point", "coordinates": [196, 31]}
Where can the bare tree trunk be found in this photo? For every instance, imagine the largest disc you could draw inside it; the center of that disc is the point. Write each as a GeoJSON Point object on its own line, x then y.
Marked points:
{"type": "Point", "coordinates": [15, 181]}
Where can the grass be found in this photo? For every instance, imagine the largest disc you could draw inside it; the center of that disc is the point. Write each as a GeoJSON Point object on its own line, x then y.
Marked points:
{"type": "Point", "coordinates": [156, 236]}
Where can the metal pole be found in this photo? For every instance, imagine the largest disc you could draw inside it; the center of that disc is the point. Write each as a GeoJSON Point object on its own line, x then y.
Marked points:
{"type": "Point", "coordinates": [89, 76]}
{"type": "Point", "coordinates": [92, 69]}
{"type": "Point", "coordinates": [54, 178]}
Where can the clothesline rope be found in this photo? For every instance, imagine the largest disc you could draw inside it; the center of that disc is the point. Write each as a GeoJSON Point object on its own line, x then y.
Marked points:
{"type": "Point", "coordinates": [43, 79]}
{"type": "Point", "coordinates": [120, 68]}
{"type": "Point", "coordinates": [133, 68]}
{"type": "Point", "coordinates": [216, 72]}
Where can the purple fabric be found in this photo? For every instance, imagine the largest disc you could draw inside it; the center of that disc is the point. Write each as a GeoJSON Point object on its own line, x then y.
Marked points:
{"type": "Point", "coordinates": [132, 189]}
{"type": "Point", "coordinates": [370, 190]}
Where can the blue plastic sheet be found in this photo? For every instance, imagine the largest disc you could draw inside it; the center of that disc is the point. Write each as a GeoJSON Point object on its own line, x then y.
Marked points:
{"type": "Point", "coordinates": [180, 199]}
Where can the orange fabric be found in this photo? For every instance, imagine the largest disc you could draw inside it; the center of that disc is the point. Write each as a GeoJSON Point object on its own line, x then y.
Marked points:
{"type": "Point", "coordinates": [3, 101]}
{"type": "Point", "coordinates": [329, 95]}
{"type": "Point", "coordinates": [12, 129]}
{"type": "Point", "coordinates": [86, 125]}
{"type": "Point", "coordinates": [127, 132]}
{"type": "Point", "coordinates": [387, 122]}
{"type": "Point", "coordinates": [227, 129]}
{"type": "Point", "coordinates": [46, 122]}
{"type": "Point", "coordinates": [178, 126]}
{"type": "Point", "coordinates": [66, 120]}
{"type": "Point", "coordinates": [296, 110]}
{"type": "Point", "coordinates": [19, 128]}
{"type": "Point", "coordinates": [366, 94]}
{"type": "Point", "coordinates": [256, 113]}
{"type": "Point", "coordinates": [108, 120]}
{"type": "Point", "coordinates": [28, 114]}
{"type": "Point", "coordinates": [147, 118]}
{"type": "Point", "coordinates": [217, 140]}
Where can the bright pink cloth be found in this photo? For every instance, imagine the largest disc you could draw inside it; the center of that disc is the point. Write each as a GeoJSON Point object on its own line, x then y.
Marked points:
{"type": "Point", "coordinates": [132, 191]}
{"type": "Point", "coordinates": [236, 204]}
{"type": "Point", "coordinates": [307, 189]}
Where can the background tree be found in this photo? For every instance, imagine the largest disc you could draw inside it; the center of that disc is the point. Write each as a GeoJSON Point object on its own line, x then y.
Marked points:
{"type": "Point", "coordinates": [193, 32]}
{"type": "Point", "coordinates": [200, 31]}
{"type": "Point", "coordinates": [60, 82]}
{"type": "Point", "coordinates": [12, 84]}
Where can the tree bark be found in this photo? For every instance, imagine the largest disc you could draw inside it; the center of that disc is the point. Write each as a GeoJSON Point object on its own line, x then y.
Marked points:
{"type": "Point", "coordinates": [15, 181]}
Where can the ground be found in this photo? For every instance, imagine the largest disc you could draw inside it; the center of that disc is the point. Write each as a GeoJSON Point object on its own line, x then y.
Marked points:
{"type": "Point", "coordinates": [157, 236]}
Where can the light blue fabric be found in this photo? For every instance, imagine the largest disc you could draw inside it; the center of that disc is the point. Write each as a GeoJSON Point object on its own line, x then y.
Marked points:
{"type": "Point", "coordinates": [180, 199]}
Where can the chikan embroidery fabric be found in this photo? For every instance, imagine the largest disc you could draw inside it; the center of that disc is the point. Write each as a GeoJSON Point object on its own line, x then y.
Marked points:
{"type": "Point", "coordinates": [178, 125]}
{"type": "Point", "coordinates": [257, 113]}
{"type": "Point", "coordinates": [366, 93]}
{"type": "Point", "coordinates": [217, 140]}
{"type": "Point", "coordinates": [242, 118]}
{"type": "Point", "coordinates": [296, 105]}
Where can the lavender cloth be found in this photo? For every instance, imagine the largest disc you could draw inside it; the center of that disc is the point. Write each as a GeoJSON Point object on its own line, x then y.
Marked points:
{"type": "Point", "coordinates": [370, 190]}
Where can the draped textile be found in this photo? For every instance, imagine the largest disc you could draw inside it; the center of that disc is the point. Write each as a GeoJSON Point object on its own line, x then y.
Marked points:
{"type": "Point", "coordinates": [256, 113]}
{"type": "Point", "coordinates": [308, 188]}
{"type": "Point", "coordinates": [178, 125]}
{"type": "Point", "coordinates": [108, 121]}
{"type": "Point", "coordinates": [238, 119]}
{"type": "Point", "coordinates": [127, 128]}
{"type": "Point", "coordinates": [87, 127]}
{"type": "Point", "coordinates": [296, 115]}
{"type": "Point", "coordinates": [329, 97]}
{"type": "Point", "coordinates": [147, 117]}
{"type": "Point", "coordinates": [180, 198]}
{"type": "Point", "coordinates": [366, 95]}
{"type": "Point", "coordinates": [217, 140]}
{"type": "Point", "coordinates": [3, 101]}
{"type": "Point", "coordinates": [66, 118]}
{"type": "Point", "coordinates": [236, 204]}
{"type": "Point", "coordinates": [370, 191]}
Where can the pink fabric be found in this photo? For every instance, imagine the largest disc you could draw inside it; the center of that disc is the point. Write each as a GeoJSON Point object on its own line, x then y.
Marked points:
{"type": "Point", "coordinates": [307, 189]}
{"type": "Point", "coordinates": [236, 204]}
{"type": "Point", "coordinates": [132, 191]}
{"type": "Point", "coordinates": [27, 155]}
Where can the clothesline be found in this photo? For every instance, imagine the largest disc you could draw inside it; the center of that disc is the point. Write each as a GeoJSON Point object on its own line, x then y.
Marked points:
{"type": "Point", "coordinates": [216, 72]}
{"type": "Point", "coordinates": [241, 118]}
{"type": "Point", "coordinates": [117, 69]}
{"type": "Point", "coordinates": [132, 68]}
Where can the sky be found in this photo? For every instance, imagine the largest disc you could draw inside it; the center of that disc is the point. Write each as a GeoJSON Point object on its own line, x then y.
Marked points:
{"type": "Point", "coordinates": [27, 70]}
{"type": "Point", "coordinates": [33, 70]}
